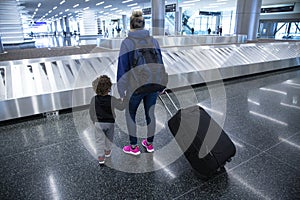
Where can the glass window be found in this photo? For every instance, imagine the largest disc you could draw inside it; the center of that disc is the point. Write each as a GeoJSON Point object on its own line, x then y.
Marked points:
{"type": "Point", "coordinates": [295, 28]}
{"type": "Point", "coordinates": [281, 30]}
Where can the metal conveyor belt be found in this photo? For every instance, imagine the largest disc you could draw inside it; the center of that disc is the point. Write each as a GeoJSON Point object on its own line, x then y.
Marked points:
{"type": "Point", "coordinates": [35, 86]}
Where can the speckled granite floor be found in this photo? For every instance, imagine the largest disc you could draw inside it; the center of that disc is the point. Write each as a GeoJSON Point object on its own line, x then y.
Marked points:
{"type": "Point", "coordinates": [54, 158]}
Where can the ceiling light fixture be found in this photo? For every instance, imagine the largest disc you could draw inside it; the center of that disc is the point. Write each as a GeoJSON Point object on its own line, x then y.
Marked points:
{"type": "Point", "coordinates": [127, 1]}
{"type": "Point", "coordinates": [75, 5]}
{"type": "Point", "coordinates": [188, 5]}
{"type": "Point", "coordinates": [62, 2]}
{"type": "Point", "coordinates": [134, 4]}
{"type": "Point", "coordinates": [192, 1]}
{"type": "Point", "coordinates": [108, 6]}
{"type": "Point", "coordinates": [102, 2]}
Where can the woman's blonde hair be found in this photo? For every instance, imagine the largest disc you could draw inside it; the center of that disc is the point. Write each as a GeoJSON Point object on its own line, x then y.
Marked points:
{"type": "Point", "coordinates": [102, 85]}
{"type": "Point", "coordinates": [137, 20]}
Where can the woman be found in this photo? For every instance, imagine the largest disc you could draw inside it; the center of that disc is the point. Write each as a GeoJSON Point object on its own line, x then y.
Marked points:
{"type": "Point", "coordinates": [125, 63]}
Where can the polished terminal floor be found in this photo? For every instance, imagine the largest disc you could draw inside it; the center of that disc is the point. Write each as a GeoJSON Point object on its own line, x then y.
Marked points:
{"type": "Point", "coordinates": [54, 157]}
{"type": "Point", "coordinates": [50, 47]}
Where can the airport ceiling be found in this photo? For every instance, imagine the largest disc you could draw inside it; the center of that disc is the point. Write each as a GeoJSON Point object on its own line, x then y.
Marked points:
{"type": "Point", "coordinates": [45, 10]}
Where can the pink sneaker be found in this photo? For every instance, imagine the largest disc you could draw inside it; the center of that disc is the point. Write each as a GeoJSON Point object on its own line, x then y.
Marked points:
{"type": "Point", "coordinates": [129, 150]}
{"type": "Point", "coordinates": [149, 147]}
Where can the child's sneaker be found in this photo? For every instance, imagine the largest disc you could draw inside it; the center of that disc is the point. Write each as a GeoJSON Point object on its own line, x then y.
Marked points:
{"type": "Point", "coordinates": [107, 153]}
{"type": "Point", "coordinates": [101, 160]}
{"type": "Point", "coordinates": [149, 147]}
{"type": "Point", "coordinates": [128, 149]}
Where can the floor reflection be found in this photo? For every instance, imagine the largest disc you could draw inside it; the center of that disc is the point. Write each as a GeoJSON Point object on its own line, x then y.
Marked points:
{"type": "Point", "coordinates": [60, 41]}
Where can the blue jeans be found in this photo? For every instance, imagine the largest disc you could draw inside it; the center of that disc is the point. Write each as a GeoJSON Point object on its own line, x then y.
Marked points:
{"type": "Point", "coordinates": [149, 101]}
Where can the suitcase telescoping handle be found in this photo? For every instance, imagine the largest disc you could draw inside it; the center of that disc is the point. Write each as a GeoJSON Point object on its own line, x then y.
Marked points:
{"type": "Point", "coordinates": [165, 105]}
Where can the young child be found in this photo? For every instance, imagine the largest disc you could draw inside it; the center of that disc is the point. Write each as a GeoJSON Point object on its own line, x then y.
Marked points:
{"type": "Point", "coordinates": [103, 116]}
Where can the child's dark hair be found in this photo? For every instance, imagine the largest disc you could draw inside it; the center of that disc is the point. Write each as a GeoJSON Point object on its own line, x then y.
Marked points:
{"type": "Point", "coordinates": [102, 85]}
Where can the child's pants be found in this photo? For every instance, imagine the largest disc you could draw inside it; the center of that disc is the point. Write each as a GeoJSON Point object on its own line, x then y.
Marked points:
{"type": "Point", "coordinates": [104, 134]}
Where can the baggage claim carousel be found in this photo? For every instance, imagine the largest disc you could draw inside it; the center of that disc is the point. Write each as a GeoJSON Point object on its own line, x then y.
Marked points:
{"type": "Point", "coordinates": [46, 85]}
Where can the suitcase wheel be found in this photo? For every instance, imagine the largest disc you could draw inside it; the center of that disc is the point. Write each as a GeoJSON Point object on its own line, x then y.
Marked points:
{"type": "Point", "coordinates": [221, 169]}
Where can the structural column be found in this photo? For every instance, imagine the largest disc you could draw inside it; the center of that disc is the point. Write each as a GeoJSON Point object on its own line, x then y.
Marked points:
{"type": "Point", "coordinates": [218, 19]}
{"type": "Point", "coordinates": [67, 24]}
{"type": "Point", "coordinates": [62, 25]}
{"type": "Point", "coordinates": [55, 28]}
{"type": "Point", "coordinates": [158, 17]}
{"type": "Point", "coordinates": [104, 28]}
{"type": "Point", "coordinates": [78, 27]}
{"type": "Point", "coordinates": [124, 23]}
{"type": "Point", "coordinates": [99, 26]}
{"type": "Point", "coordinates": [124, 20]}
{"type": "Point", "coordinates": [1, 46]}
{"type": "Point", "coordinates": [178, 18]}
{"type": "Point", "coordinates": [49, 27]}
{"type": "Point", "coordinates": [247, 18]}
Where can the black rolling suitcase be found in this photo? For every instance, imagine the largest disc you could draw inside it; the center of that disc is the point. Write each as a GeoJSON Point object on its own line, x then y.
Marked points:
{"type": "Point", "coordinates": [205, 144]}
